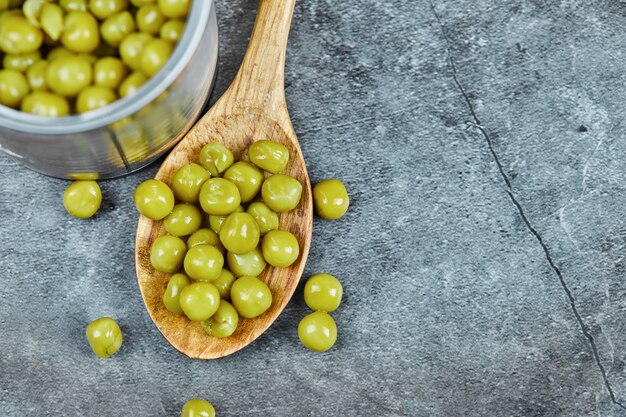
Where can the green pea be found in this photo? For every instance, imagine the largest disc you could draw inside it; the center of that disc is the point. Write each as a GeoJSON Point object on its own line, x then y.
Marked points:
{"type": "Point", "coordinates": [81, 32]}
{"type": "Point", "coordinates": [224, 283]}
{"type": "Point", "coordinates": [250, 296]}
{"type": "Point", "coordinates": [250, 263]}
{"type": "Point", "coordinates": [330, 199]}
{"type": "Point", "coordinates": [104, 336]}
{"type": "Point", "coordinates": [132, 84]}
{"type": "Point", "coordinates": [219, 196]}
{"type": "Point", "coordinates": [154, 199]}
{"type": "Point", "coordinates": [31, 10]}
{"type": "Point", "coordinates": [13, 87]}
{"type": "Point", "coordinates": [36, 75]}
{"type": "Point", "coordinates": [240, 233]}
{"type": "Point", "coordinates": [174, 8]}
{"type": "Point", "coordinates": [119, 27]}
{"type": "Point", "coordinates": [194, 407]}
{"type": "Point", "coordinates": [17, 35]}
{"type": "Point", "coordinates": [246, 177]}
{"type": "Point", "coordinates": [216, 158]}
{"type": "Point", "coordinates": [187, 182]}
{"type": "Point", "coordinates": [82, 199]}
{"type": "Point", "coordinates": [105, 8]}
{"type": "Point", "coordinates": [280, 248]}
{"type": "Point", "coordinates": [204, 237]}
{"type": "Point", "coordinates": [58, 53]}
{"type": "Point", "coordinates": [149, 19]}
{"type": "Point", "coordinates": [204, 263]}
{"type": "Point", "coordinates": [139, 3]}
{"type": "Point", "coordinates": [68, 76]}
{"type": "Point", "coordinates": [94, 97]}
{"type": "Point", "coordinates": [199, 301]}
{"type": "Point", "coordinates": [172, 30]}
{"type": "Point", "coordinates": [51, 19]}
{"type": "Point", "coordinates": [323, 292]}
{"type": "Point", "coordinates": [281, 192]}
{"type": "Point", "coordinates": [183, 220]}
{"type": "Point", "coordinates": [154, 55]}
{"type": "Point", "coordinates": [74, 5]}
{"type": "Point", "coordinates": [269, 155]}
{"type": "Point", "coordinates": [171, 296]}
{"type": "Point", "coordinates": [223, 323]}
{"type": "Point", "coordinates": [264, 216]}
{"type": "Point", "coordinates": [167, 254]}
{"type": "Point", "coordinates": [109, 72]}
{"type": "Point", "coordinates": [318, 331]}
{"type": "Point", "coordinates": [42, 103]}
{"type": "Point", "coordinates": [131, 47]}
{"type": "Point", "coordinates": [215, 222]}
{"type": "Point", "coordinates": [20, 62]}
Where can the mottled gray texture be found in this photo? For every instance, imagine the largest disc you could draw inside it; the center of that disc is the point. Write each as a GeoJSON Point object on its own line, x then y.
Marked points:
{"type": "Point", "coordinates": [450, 254]}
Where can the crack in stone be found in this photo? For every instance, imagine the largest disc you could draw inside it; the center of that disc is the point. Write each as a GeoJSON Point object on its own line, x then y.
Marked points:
{"type": "Point", "coordinates": [478, 125]}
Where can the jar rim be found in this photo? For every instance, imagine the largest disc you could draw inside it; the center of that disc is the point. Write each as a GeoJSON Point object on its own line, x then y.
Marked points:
{"type": "Point", "coordinates": [197, 20]}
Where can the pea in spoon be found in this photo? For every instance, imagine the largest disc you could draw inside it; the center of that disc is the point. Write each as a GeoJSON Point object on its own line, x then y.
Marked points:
{"type": "Point", "coordinates": [253, 108]}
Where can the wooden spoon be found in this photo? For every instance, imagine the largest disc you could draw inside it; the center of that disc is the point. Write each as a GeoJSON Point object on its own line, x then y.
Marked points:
{"type": "Point", "coordinates": [253, 108]}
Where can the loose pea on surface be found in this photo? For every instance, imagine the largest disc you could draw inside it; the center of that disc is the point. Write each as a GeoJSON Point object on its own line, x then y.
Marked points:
{"type": "Point", "coordinates": [240, 233]}
{"type": "Point", "coordinates": [216, 158]}
{"type": "Point", "coordinates": [281, 192]}
{"type": "Point", "coordinates": [13, 87]}
{"type": "Point", "coordinates": [104, 336]}
{"type": "Point", "coordinates": [43, 103]}
{"type": "Point", "coordinates": [264, 216]}
{"type": "Point", "coordinates": [94, 97]}
{"type": "Point", "coordinates": [246, 177]}
{"type": "Point", "coordinates": [323, 292]}
{"type": "Point", "coordinates": [171, 296]}
{"type": "Point", "coordinates": [318, 331]}
{"type": "Point", "coordinates": [199, 301]}
{"type": "Point", "coordinates": [81, 32]}
{"type": "Point", "coordinates": [183, 220]}
{"type": "Point", "coordinates": [250, 296]}
{"type": "Point", "coordinates": [204, 263]}
{"type": "Point", "coordinates": [330, 199]}
{"type": "Point", "coordinates": [167, 254]}
{"type": "Point", "coordinates": [246, 264]}
{"type": "Point", "coordinates": [280, 248]}
{"type": "Point", "coordinates": [82, 199]}
{"type": "Point", "coordinates": [269, 155]}
{"type": "Point", "coordinates": [223, 323]}
{"type": "Point", "coordinates": [154, 199]}
{"type": "Point", "coordinates": [224, 283]}
{"type": "Point", "coordinates": [187, 182]}
{"type": "Point", "coordinates": [219, 196]}
{"type": "Point", "coordinates": [196, 407]}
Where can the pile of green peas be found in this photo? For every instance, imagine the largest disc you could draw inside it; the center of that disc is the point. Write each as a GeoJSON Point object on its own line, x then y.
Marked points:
{"type": "Point", "coordinates": [222, 222]}
{"type": "Point", "coordinates": [73, 56]}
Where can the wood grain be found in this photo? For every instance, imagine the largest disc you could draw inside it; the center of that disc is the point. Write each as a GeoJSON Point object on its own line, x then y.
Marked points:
{"type": "Point", "coordinates": [253, 108]}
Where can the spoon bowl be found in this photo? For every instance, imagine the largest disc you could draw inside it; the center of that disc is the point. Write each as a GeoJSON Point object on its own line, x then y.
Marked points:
{"type": "Point", "coordinates": [253, 108]}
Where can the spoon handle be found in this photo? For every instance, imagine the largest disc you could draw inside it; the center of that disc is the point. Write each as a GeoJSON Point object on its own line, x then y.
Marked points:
{"type": "Point", "coordinates": [259, 84]}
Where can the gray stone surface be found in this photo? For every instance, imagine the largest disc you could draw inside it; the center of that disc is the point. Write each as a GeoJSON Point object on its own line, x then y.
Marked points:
{"type": "Point", "coordinates": [482, 257]}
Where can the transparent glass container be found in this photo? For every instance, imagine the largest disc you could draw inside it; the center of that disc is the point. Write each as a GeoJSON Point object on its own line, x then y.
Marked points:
{"type": "Point", "coordinates": [132, 132]}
